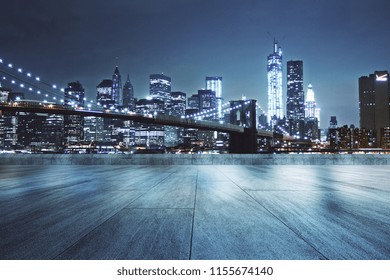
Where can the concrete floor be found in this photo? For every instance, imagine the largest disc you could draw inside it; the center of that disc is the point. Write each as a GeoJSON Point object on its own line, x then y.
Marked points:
{"type": "Point", "coordinates": [194, 212]}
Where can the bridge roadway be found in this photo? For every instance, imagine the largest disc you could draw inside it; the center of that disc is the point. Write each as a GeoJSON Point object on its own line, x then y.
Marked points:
{"type": "Point", "coordinates": [158, 119]}
{"type": "Point", "coordinates": [194, 212]}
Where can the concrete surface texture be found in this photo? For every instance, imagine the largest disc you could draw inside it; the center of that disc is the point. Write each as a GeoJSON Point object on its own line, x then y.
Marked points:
{"type": "Point", "coordinates": [194, 159]}
{"type": "Point", "coordinates": [194, 212]}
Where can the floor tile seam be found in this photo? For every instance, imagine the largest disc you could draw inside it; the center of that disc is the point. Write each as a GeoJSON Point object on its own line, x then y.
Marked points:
{"type": "Point", "coordinates": [193, 215]}
{"type": "Point", "coordinates": [87, 233]}
{"type": "Point", "coordinates": [109, 218]}
{"type": "Point", "coordinates": [148, 190]}
{"type": "Point", "coordinates": [94, 228]}
{"type": "Point", "coordinates": [277, 218]}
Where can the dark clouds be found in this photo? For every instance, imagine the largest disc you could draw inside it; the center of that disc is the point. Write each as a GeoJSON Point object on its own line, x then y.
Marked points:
{"type": "Point", "coordinates": [80, 40]}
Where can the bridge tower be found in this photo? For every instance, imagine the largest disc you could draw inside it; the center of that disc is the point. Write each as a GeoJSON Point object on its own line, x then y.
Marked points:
{"type": "Point", "coordinates": [243, 113]}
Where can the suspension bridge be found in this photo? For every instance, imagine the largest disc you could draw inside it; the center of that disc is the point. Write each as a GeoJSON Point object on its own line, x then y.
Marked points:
{"type": "Point", "coordinates": [243, 137]}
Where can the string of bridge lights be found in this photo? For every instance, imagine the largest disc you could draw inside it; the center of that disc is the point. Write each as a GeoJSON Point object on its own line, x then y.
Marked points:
{"type": "Point", "coordinates": [212, 113]}
{"type": "Point", "coordinates": [261, 109]}
{"type": "Point", "coordinates": [31, 83]}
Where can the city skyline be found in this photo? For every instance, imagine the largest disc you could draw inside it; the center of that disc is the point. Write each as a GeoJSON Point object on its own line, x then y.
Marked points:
{"type": "Point", "coordinates": [81, 41]}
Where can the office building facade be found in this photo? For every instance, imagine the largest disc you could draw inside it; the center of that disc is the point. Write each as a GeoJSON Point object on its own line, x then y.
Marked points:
{"type": "Point", "coordinates": [160, 88]}
{"type": "Point", "coordinates": [74, 95]}
{"type": "Point", "coordinates": [148, 135]}
{"type": "Point", "coordinates": [295, 104]}
{"type": "Point", "coordinates": [104, 97]}
{"type": "Point", "coordinates": [374, 100]}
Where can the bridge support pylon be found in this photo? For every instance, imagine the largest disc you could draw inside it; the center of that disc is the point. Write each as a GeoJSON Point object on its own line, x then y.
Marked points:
{"type": "Point", "coordinates": [243, 143]}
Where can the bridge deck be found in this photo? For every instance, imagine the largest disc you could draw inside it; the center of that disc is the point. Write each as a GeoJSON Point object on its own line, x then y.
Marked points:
{"type": "Point", "coordinates": [149, 119]}
{"type": "Point", "coordinates": [194, 212]}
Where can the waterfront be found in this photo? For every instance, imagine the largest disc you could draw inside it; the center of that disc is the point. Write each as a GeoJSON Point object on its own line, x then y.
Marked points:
{"type": "Point", "coordinates": [194, 212]}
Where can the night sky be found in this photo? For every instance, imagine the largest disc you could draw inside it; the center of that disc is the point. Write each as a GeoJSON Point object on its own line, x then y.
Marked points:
{"type": "Point", "coordinates": [338, 41]}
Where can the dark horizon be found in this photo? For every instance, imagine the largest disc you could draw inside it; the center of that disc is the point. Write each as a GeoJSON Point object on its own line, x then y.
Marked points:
{"type": "Point", "coordinates": [189, 40]}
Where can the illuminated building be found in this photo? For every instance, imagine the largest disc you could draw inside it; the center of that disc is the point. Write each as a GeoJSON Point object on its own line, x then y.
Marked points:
{"type": "Point", "coordinates": [104, 99]}
{"type": "Point", "coordinates": [385, 137]}
{"type": "Point", "coordinates": [104, 96]}
{"type": "Point", "coordinates": [53, 133]}
{"type": "Point", "coordinates": [174, 135]}
{"type": "Point", "coordinates": [178, 103]}
{"type": "Point", "coordinates": [4, 92]}
{"type": "Point", "coordinates": [92, 127]}
{"type": "Point", "coordinates": [295, 98]}
{"type": "Point", "coordinates": [310, 104]}
{"type": "Point", "coordinates": [145, 134]}
{"type": "Point", "coordinates": [117, 95]}
{"type": "Point", "coordinates": [204, 103]}
{"type": "Point", "coordinates": [333, 122]}
{"type": "Point", "coordinates": [275, 95]}
{"type": "Point", "coordinates": [74, 124]}
{"type": "Point", "coordinates": [311, 109]}
{"type": "Point", "coordinates": [190, 135]}
{"type": "Point", "coordinates": [374, 92]}
{"type": "Point", "coordinates": [128, 95]}
{"type": "Point", "coordinates": [160, 88]}
{"type": "Point", "coordinates": [215, 84]}
{"type": "Point", "coordinates": [128, 129]}
{"type": "Point", "coordinates": [347, 138]}
{"type": "Point", "coordinates": [208, 101]}
{"type": "Point", "coordinates": [312, 115]}
{"type": "Point", "coordinates": [9, 121]}
{"type": "Point", "coordinates": [29, 130]}
{"type": "Point", "coordinates": [193, 104]}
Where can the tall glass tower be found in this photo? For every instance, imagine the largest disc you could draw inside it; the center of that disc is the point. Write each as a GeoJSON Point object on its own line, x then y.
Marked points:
{"type": "Point", "coordinates": [274, 70]}
{"type": "Point", "coordinates": [295, 97]}
{"type": "Point", "coordinates": [215, 84]}
{"type": "Point", "coordinates": [295, 94]}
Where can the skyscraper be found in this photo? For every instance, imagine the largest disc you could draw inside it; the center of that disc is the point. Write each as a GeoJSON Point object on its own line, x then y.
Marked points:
{"type": "Point", "coordinates": [104, 96]}
{"type": "Point", "coordinates": [374, 100]}
{"type": "Point", "coordinates": [173, 135]}
{"type": "Point", "coordinates": [215, 84]}
{"type": "Point", "coordinates": [274, 70]}
{"type": "Point", "coordinates": [312, 115]}
{"type": "Point", "coordinates": [128, 95]}
{"type": "Point", "coordinates": [333, 122]}
{"type": "Point", "coordinates": [148, 134]}
{"type": "Point", "coordinates": [178, 103]}
{"type": "Point", "coordinates": [310, 104]}
{"type": "Point", "coordinates": [193, 103]}
{"type": "Point", "coordinates": [74, 94]}
{"type": "Point", "coordinates": [74, 124]}
{"type": "Point", "coordinates": [117, 95]}
{"type": "Point", "coordinates": [207, 101]}
{"type": "Point", "coordinates": [295, 97]}
{"type": "Point", "coordinates": [160, 88]}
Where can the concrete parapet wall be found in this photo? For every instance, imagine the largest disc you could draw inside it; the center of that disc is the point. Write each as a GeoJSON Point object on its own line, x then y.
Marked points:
{"type": "Point", "coordinates": [187, 159]}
